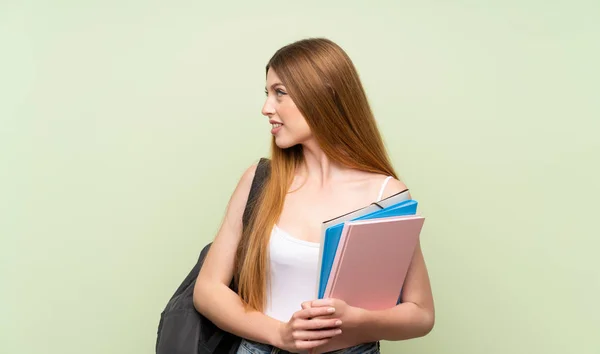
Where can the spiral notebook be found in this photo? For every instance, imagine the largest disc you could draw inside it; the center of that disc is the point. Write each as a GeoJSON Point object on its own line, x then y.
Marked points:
{"type": "Point", "coordinates": [372, 261]}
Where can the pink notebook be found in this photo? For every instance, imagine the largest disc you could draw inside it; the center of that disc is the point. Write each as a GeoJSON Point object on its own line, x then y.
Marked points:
{"type": "Point", "coordinates": [372, 260]}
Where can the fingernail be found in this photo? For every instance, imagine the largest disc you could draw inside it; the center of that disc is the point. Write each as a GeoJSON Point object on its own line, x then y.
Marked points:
{"type": "Point", "coordinates": [339, 331]}
{"type": "Point", "coordinates": [331, 309]}
{"type": "Point", "coordinates": [338, 322]}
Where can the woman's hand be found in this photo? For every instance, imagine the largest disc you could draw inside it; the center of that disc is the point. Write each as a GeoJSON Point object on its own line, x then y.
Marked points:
{"type": "Point", "coordinates": [349, 315]}
{"type": "Point", "coordinates": [351, 318]}
{"type": "Point", "coordinates": [309, 328]}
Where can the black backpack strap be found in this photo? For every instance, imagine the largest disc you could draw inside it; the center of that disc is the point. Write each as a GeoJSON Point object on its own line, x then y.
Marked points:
{"type": "Point", "coordinates": [263, 171]}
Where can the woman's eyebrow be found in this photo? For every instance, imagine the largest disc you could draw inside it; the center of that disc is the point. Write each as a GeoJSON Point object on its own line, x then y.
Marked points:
{"type": "Point", "coordinates": [274, 85]}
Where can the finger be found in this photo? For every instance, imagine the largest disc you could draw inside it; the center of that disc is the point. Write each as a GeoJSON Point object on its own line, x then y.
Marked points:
{"type": "Point", "coordinates": [313, 312]}
{"type": "Point", "coordinates": [322, 302]}
{"type": "Point", "coordinates": [319, 311]}
{"type": "Point", "coordinates": [306, 305]}
{"type": "Point", "coordinates": [309, 344]}
{"type": "Point", "coordinates": [316, 323]}
{"type": "Point", "coordinates": [316, 335]}
{"type": "Point", "coordinates": [328, 316]}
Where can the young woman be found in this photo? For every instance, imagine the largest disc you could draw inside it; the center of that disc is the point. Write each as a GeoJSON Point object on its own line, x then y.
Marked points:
{"type": "Point", "coordinates": [327, 159]}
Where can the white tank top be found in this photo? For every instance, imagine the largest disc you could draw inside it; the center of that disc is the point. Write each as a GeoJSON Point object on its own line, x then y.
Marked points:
{"type": "Point", "coordinates": [293, 271]}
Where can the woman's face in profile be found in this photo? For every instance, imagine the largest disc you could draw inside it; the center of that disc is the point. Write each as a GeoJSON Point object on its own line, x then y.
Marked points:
{"type": "Point", "coordinates": [288, 126]}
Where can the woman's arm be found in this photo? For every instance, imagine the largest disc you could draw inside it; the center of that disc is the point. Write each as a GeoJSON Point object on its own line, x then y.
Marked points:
{"type": "Point", "coordinates": [212, 295]}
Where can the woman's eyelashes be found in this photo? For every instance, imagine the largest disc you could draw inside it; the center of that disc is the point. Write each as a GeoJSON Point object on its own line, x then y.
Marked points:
{"type": "Point", "coordinates": [278, 92]}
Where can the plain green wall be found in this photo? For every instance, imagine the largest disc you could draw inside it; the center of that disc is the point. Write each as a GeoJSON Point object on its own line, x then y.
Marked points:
{"type": "Point", "coordinates": [125, 126]}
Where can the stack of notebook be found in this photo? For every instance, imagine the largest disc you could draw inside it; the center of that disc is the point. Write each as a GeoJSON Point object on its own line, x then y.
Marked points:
{"type": "Point", "coordinates": [365, 254]}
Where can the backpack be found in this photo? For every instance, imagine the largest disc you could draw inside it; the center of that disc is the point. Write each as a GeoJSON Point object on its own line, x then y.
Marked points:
{"type": "Point", "coordinates": [181, 328]}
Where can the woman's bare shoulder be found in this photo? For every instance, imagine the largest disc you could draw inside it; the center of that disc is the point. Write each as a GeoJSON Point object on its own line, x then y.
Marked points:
{"type": "Point", "coordinates": [393, 186]}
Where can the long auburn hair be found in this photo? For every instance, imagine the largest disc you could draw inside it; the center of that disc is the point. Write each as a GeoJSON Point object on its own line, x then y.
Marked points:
{"type": "Point", "coordinates": [323, 83]}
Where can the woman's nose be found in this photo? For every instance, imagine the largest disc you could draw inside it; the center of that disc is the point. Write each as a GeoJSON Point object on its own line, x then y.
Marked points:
{"type": "Point", "coordinates": [267, 109]}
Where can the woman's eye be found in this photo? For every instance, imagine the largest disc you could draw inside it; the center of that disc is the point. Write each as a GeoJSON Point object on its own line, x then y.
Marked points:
{"type": "Point", "coordinates": [278, 92]}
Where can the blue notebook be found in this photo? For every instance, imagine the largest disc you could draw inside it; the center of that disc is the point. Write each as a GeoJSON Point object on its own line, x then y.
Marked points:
{"type": "Point", "coordinates": [334, 233]}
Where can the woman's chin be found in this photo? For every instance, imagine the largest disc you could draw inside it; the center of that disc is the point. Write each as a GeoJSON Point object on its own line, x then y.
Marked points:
{"type": "Point", "coordinates": [283, 143]}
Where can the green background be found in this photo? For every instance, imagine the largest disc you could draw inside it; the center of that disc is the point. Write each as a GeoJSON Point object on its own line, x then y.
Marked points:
{"type": "Point", "coordinates": [125, 126]}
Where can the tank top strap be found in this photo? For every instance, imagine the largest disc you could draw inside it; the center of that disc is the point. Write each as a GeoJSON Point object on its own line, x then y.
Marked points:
{"type": "Point", "coordinates": [383, 185]}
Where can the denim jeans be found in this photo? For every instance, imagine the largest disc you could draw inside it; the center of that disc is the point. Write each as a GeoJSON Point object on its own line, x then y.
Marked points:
{"type": "Point", "coordinates": [249, 347]}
